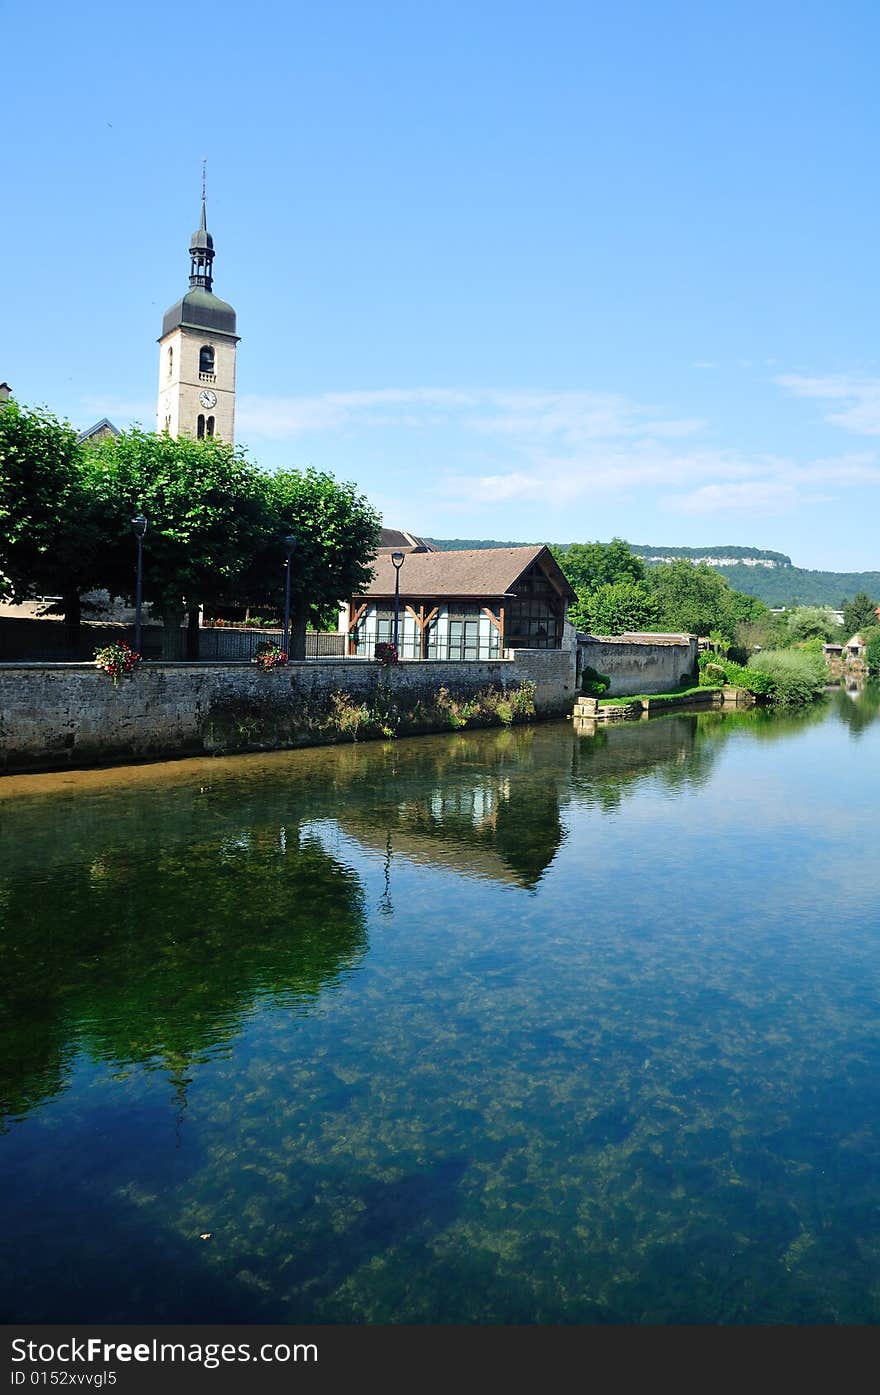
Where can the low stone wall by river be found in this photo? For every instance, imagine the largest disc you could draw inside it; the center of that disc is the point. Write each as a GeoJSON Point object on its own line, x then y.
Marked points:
{"type": "Point", "coordinates": [57, 715]}
{"type": "Point", "coordinates": [639, 663]}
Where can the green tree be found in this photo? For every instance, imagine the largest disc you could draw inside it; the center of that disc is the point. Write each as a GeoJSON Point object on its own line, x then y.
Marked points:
{"type": "Point", "coordinates": [872, 648]}
{"type": "Point", "coordinates": [337, 534]}
{"type": "Point", "coordinates": [591, 565]}
{"type": "Point", "coordinates": [859, 614]}
{"type": "Point", "coordinates": [614, 608]}
{"type": "Point", "coordinates": [810, 622]}
{"type": "Point", "coordinates": [50, 539]}
{"type": "Point", "coordinates": [207, 508]}
{"type": "Point", "coordinates": [696, 599]}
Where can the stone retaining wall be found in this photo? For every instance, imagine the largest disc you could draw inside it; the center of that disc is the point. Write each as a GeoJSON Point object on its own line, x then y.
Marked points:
{"type": "Point", "coordinates": [57, 715]}
{"type": "Point", "coordinates": [639, 663]}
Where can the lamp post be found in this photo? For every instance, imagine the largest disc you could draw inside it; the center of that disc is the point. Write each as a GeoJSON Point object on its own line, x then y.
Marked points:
{"type": "Point", "coordinates": [397, 563]}
{"type": "Point", "coordinates": [139, 528]}
{"type": "Point", "coordinates": [290, 545]}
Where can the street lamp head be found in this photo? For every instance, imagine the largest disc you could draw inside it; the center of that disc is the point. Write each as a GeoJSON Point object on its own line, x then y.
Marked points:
{"type": "Point", "coordinates": [397, 559]}
{"type": "Point", "coordinates": [139, 525]}
{"type": "Point", "coordinates": [291, 541]}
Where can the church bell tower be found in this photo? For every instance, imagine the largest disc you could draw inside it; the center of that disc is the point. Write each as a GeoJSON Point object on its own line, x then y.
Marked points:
{"type": "Point", "coordinates": [197, 353]}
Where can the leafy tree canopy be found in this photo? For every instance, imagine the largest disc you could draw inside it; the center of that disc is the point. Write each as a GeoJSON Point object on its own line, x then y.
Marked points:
{"type": "Point", "coordinates": [337, 533]}
{"type": "Point", "coordinates": [696, 599]}
{"type": "Point", "coordinates": [206, 506]}
{"type": "Point", "coordinates": [811, 622]}
{"type": "Point", "coordinates": [615, 608]}
{"type": "Point", "coordinates": [872, 643]}
{"type": "Point", "coordinates": [49, 539]}
{"type": "Point", "coordinates": [859, 614]}
{"type": "Point", "coordinates": [591, 565]}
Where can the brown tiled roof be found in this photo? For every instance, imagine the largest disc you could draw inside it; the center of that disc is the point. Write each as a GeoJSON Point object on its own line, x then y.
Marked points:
{"type": "Point", "coordinates": [481, 572]}
{"type": "Point", "coordinates": [394, 539]}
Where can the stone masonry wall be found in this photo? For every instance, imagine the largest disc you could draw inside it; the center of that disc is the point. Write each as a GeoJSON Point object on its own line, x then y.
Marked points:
{"type": "Point", "coordinates": [57, 715]}
{"type": "Point", "coordinates": [639, 665]}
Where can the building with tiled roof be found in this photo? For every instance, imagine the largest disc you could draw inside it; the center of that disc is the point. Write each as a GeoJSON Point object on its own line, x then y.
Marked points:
{"type": "Point", "coordinates": [395, 539]}
{"type": "Point", "coordinates": [461, 605]}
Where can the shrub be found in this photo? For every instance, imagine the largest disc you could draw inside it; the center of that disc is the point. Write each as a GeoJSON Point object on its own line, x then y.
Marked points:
{"type": "Point", "coordinates": [593, 683]}
{"type": "Point", "coordinates": [348, 716]}
{"type": "Point", "coordinates": [797, 677]}
{"type": "Point", "coordinates": [522, 700]}
{"type": "Point", "coordinates": [713, 673]}
{"type": "Point", "coordinates": [386, 654]}
{"type": "Point", "coordinates": [872, 641]}
{"type": "Point", "coordinates": [759, 684]}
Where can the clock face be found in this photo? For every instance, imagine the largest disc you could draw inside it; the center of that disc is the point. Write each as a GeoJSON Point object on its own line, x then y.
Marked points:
{"type": "Point", "coordinates": [208, 399]}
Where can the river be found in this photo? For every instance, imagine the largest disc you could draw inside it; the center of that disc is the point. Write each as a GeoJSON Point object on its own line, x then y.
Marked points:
{"type": "Point", "coordinates": [527, 1026]}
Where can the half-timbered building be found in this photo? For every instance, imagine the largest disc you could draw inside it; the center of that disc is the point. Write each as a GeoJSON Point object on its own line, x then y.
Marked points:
{"type": "Point", "coordinates": [462, 605]}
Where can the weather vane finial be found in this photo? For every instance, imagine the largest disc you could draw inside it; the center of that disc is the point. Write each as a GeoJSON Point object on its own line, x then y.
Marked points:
{"type": "Point", "coordinates": [204, 163]}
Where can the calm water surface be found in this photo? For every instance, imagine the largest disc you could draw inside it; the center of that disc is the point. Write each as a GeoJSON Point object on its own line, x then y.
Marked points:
{"type": "Point", "coordinates": [524, 1026]}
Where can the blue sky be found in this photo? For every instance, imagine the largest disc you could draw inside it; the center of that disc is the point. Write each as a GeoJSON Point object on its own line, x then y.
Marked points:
{"type": "Point", "coordinates": [531, 272]}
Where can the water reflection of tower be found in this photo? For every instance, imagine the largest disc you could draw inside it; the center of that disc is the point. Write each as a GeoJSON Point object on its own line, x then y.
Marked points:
{"type": "Point", "coordinates": [178, 1074]}
{"type": "Point", "coordinates": [385, 904]}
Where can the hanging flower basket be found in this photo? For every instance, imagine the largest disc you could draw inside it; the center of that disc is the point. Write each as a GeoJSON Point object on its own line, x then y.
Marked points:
{"type": "Point", "coordinates": [268, 655]}
{"type": "Point", "coordinates": [117, 660]}
{"type": "Point", "coordinates": [386, 654]}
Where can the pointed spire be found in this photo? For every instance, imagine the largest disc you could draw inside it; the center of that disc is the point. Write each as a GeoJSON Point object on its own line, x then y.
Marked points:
{"type": "Point", "coordinates": [201, 248]}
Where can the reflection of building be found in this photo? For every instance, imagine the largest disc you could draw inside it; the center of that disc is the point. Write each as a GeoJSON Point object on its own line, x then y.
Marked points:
{"type": "Point", "coordinates": [493, 828]}
{"type": "Point", "coordinates": [462, 605]}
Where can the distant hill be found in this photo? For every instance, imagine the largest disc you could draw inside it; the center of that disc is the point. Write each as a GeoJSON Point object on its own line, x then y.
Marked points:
{"type": "Point", "coordinates": [758, 572]}
{"type": "Point", "coordinates": [796, 586]}
{"type": "Point", "coordinates": [470, 544]}
{"type": "Point", "coordinates": [727, 555]}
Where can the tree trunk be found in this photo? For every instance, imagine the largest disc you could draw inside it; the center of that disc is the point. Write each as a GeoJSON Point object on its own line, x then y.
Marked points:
{"type": "Point", "coordinates": [192, 633]}
{"type": "Point", "coordinates": [298, 623]}
{"type": "Point", "coordinates": [72, 617]}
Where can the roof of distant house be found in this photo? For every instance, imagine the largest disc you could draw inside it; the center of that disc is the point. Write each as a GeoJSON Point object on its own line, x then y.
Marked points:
{"type": "Point", "coordinates": [395, 540]}
{"type": "Point", "coordinates": [104, 427]}
{"type": "Point", "coordinates": [477, 574]}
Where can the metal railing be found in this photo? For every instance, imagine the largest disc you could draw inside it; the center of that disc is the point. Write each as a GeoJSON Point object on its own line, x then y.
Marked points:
{"type": "Point", "coordinates": [241, 645]}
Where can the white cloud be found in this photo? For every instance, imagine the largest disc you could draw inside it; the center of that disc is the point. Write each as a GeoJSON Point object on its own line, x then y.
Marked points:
{"type": "Point", "coordinates": [484, 447]}
{"type": "Point", "coordinates": [568, 415]}
{"type": "Point", "coordinates": [284, 418]}
{"type": "Point", "coordinates": [859, 396]}
{"type": "Point", "coordinates": [764, 496]}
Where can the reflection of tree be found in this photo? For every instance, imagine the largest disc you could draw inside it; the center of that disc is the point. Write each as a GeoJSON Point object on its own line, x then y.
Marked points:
{"type": "Point", "coordinates": [679, 750]}
{"type": "Point", "coordinates": [146, 917]}
{"type": "Point", "coordinates": [156, 954]}
{"type": "Point", "coordinates": [617, 759]}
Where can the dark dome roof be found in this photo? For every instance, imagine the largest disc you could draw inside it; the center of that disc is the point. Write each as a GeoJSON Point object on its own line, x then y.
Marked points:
{"type": "Point", "coordinates": [200, 309]}
{"type": "Point", "coordinates": [201, 238]}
